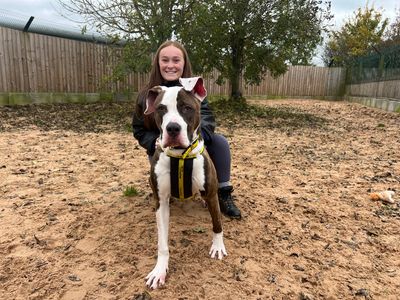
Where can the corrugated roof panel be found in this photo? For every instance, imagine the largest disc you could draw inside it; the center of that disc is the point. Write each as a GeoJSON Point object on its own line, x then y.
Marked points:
{"type": "Point", "coordinates": [18, 22]}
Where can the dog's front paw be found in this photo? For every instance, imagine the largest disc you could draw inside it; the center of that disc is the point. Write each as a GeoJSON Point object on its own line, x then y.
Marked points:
{"type": "Point", "coordinates": [218, 248]}
{"type": "Point", "coordinates": [156, 277]}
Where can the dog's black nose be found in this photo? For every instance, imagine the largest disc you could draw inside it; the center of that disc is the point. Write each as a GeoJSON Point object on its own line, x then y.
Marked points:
{"type": "Point", "coordinates": [173, 129]}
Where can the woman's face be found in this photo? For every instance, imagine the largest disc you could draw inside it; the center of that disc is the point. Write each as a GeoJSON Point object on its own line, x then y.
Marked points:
{"type": "Point", "coordinates": [171, 63]}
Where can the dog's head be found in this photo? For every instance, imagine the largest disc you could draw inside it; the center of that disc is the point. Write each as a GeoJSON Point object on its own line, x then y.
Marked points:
{"type": "Point", "coordinates": [177, 111]}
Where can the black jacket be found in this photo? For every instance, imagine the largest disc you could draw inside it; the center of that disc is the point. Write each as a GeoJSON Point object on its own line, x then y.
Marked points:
{"type": "Point", "coordinates": [146, 131]}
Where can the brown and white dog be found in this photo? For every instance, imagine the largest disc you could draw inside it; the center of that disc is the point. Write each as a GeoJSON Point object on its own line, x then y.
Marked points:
{"type": "Point", "coordinates": [177, 115]}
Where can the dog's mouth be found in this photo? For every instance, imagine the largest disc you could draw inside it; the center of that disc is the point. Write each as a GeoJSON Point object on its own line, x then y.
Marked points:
{"type": "Point", "coordinates": [177, 142]}
{"type": "Point", "coordinates": [173, 135]}
{"type": "Point", "coordinates": [174, 143]}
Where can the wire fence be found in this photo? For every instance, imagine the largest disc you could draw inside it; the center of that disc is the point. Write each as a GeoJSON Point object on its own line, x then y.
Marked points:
{"type": "Point", "coordinates": [382, 65]}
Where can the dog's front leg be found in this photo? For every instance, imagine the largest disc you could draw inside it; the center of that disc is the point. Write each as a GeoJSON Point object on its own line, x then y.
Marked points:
{"type": "Point", "coordinates": [218, 247]}
{"type": "Point", "coordinates": [156, 277]}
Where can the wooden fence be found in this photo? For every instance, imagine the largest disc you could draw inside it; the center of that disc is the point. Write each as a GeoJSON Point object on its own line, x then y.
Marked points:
{"type": "Point", "coordinates": [35, 63]}
{"type": "Point", "coordinates": [38, 63]}
{"type": "Point", "coordinates": [380, 89]}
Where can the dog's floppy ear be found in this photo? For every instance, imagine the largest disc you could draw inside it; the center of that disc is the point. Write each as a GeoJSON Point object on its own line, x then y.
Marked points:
{"type": "Point", "coordinates": [194, 85]}
{"type": "Point", "coordinates": [151, 99]}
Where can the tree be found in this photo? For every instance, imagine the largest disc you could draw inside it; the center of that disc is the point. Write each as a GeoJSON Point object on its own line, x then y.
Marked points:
{"type": "Point", "coordinates": [356, 37]}
{"type": "Point", "coordinates": [142, 25]}
{"type": "Point", "coordinates": [251, 37]}
{"type": "Point", "coordinates": [392, 35]}
{"type": "Point", "coordinates": [237, 37]}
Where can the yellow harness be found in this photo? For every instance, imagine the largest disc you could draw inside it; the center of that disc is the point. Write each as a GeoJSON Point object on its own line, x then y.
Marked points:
{"type": "Point", "coordinates": [181, 172]}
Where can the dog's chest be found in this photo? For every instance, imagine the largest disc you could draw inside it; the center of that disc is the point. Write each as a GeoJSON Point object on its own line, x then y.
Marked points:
{"type": "Point", "coordinates": [164, 172]}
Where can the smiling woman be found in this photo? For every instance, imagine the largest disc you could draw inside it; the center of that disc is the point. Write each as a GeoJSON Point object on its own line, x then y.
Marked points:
{"type": "Point", "coordinates": [171, 62]}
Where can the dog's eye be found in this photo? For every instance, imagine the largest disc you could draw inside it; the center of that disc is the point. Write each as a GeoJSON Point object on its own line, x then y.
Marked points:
{"type": "Point", "coordinates": [187, 108]}
{"type": "Point", "coordinates": [161, 109]}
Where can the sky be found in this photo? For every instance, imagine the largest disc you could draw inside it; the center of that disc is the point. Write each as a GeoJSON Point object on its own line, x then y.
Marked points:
{"type": "Point", "coordinates": [49, 12]}
{"type": "Point", "coordinates": [344, 9]}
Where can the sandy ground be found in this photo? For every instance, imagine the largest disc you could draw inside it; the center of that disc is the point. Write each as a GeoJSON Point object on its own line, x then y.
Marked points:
{"type": "Point", "coordinates": [309, 229]}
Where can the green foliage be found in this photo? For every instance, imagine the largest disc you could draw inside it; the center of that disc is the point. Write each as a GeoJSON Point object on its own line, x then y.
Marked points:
{"type": "Point", "coordinates": [388, 211]}
{"type": "Point", "coordinates": [251, 37]}
{"type": "Point", "coordinates": [239, 37]}
{"type": "Point", "coordinates": [141, 26]}
{"type": "Point", "coordinates": [130, 191]}
{"type": "Point", "coordinates": [357, 36]}
{"type": "Point", "coordinates": [128, 127]}
{"type": "Point", "coordinates": [199, 230]}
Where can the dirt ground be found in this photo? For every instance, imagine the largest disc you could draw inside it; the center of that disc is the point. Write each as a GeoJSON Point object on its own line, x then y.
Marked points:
{"type": "Point", "coordinates": [302, 174]}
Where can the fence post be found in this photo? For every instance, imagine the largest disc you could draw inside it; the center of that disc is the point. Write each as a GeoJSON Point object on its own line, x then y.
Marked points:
{"type": "Point", "coordinates": [381, 65]}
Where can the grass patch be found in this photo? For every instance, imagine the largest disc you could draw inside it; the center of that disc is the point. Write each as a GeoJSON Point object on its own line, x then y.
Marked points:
{"type": "Point", "coordinates": [389, 211]}
{"type": "Point", "coordinates": [130, 191]}
{"type": "Point", "coordinates": [128, 127]}
{"type": "Point", "coordinates": [199, 230]}
{"type": "Point", "coordinates": [248, 115]}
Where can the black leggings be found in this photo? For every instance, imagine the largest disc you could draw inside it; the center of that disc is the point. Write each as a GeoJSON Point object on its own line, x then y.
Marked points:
{"type": "Point", "coordinates": [220, 154]}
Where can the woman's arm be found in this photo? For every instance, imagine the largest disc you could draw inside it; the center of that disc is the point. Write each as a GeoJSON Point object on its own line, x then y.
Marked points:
{"type": "Point", "coordinates": [145, 136]}
{"type": "Point", "coordinates": [207, 122]}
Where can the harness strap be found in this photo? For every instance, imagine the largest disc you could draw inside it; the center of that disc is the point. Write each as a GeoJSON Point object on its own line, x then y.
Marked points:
{"type": "Point", "coordinates": [181, 178]}
{"type": "Point", "coordinates": [181, 172]}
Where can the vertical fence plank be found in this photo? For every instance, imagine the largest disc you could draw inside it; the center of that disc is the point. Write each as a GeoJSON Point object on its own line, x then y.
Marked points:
{"type": "Point", "coordinates": [63, 60]}
{"type": "Point", "coordinates": [3, 61]}
{"type": "Point", "coordinates": [12, 80]}
{"type": "Point", "coordinates": [59, 64]}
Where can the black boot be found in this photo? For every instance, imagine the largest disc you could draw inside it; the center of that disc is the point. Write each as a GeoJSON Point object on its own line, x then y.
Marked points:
{"type": "Point", "coordinates": [226, 203]}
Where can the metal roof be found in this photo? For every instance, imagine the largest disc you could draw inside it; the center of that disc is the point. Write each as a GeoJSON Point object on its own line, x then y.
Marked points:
{"type": "Point", "coordinates": [23, 23]}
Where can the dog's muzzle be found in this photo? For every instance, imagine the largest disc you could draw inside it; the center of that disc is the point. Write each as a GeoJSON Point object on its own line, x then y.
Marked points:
{"type": "Point", "coordinates": [173, 129]}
